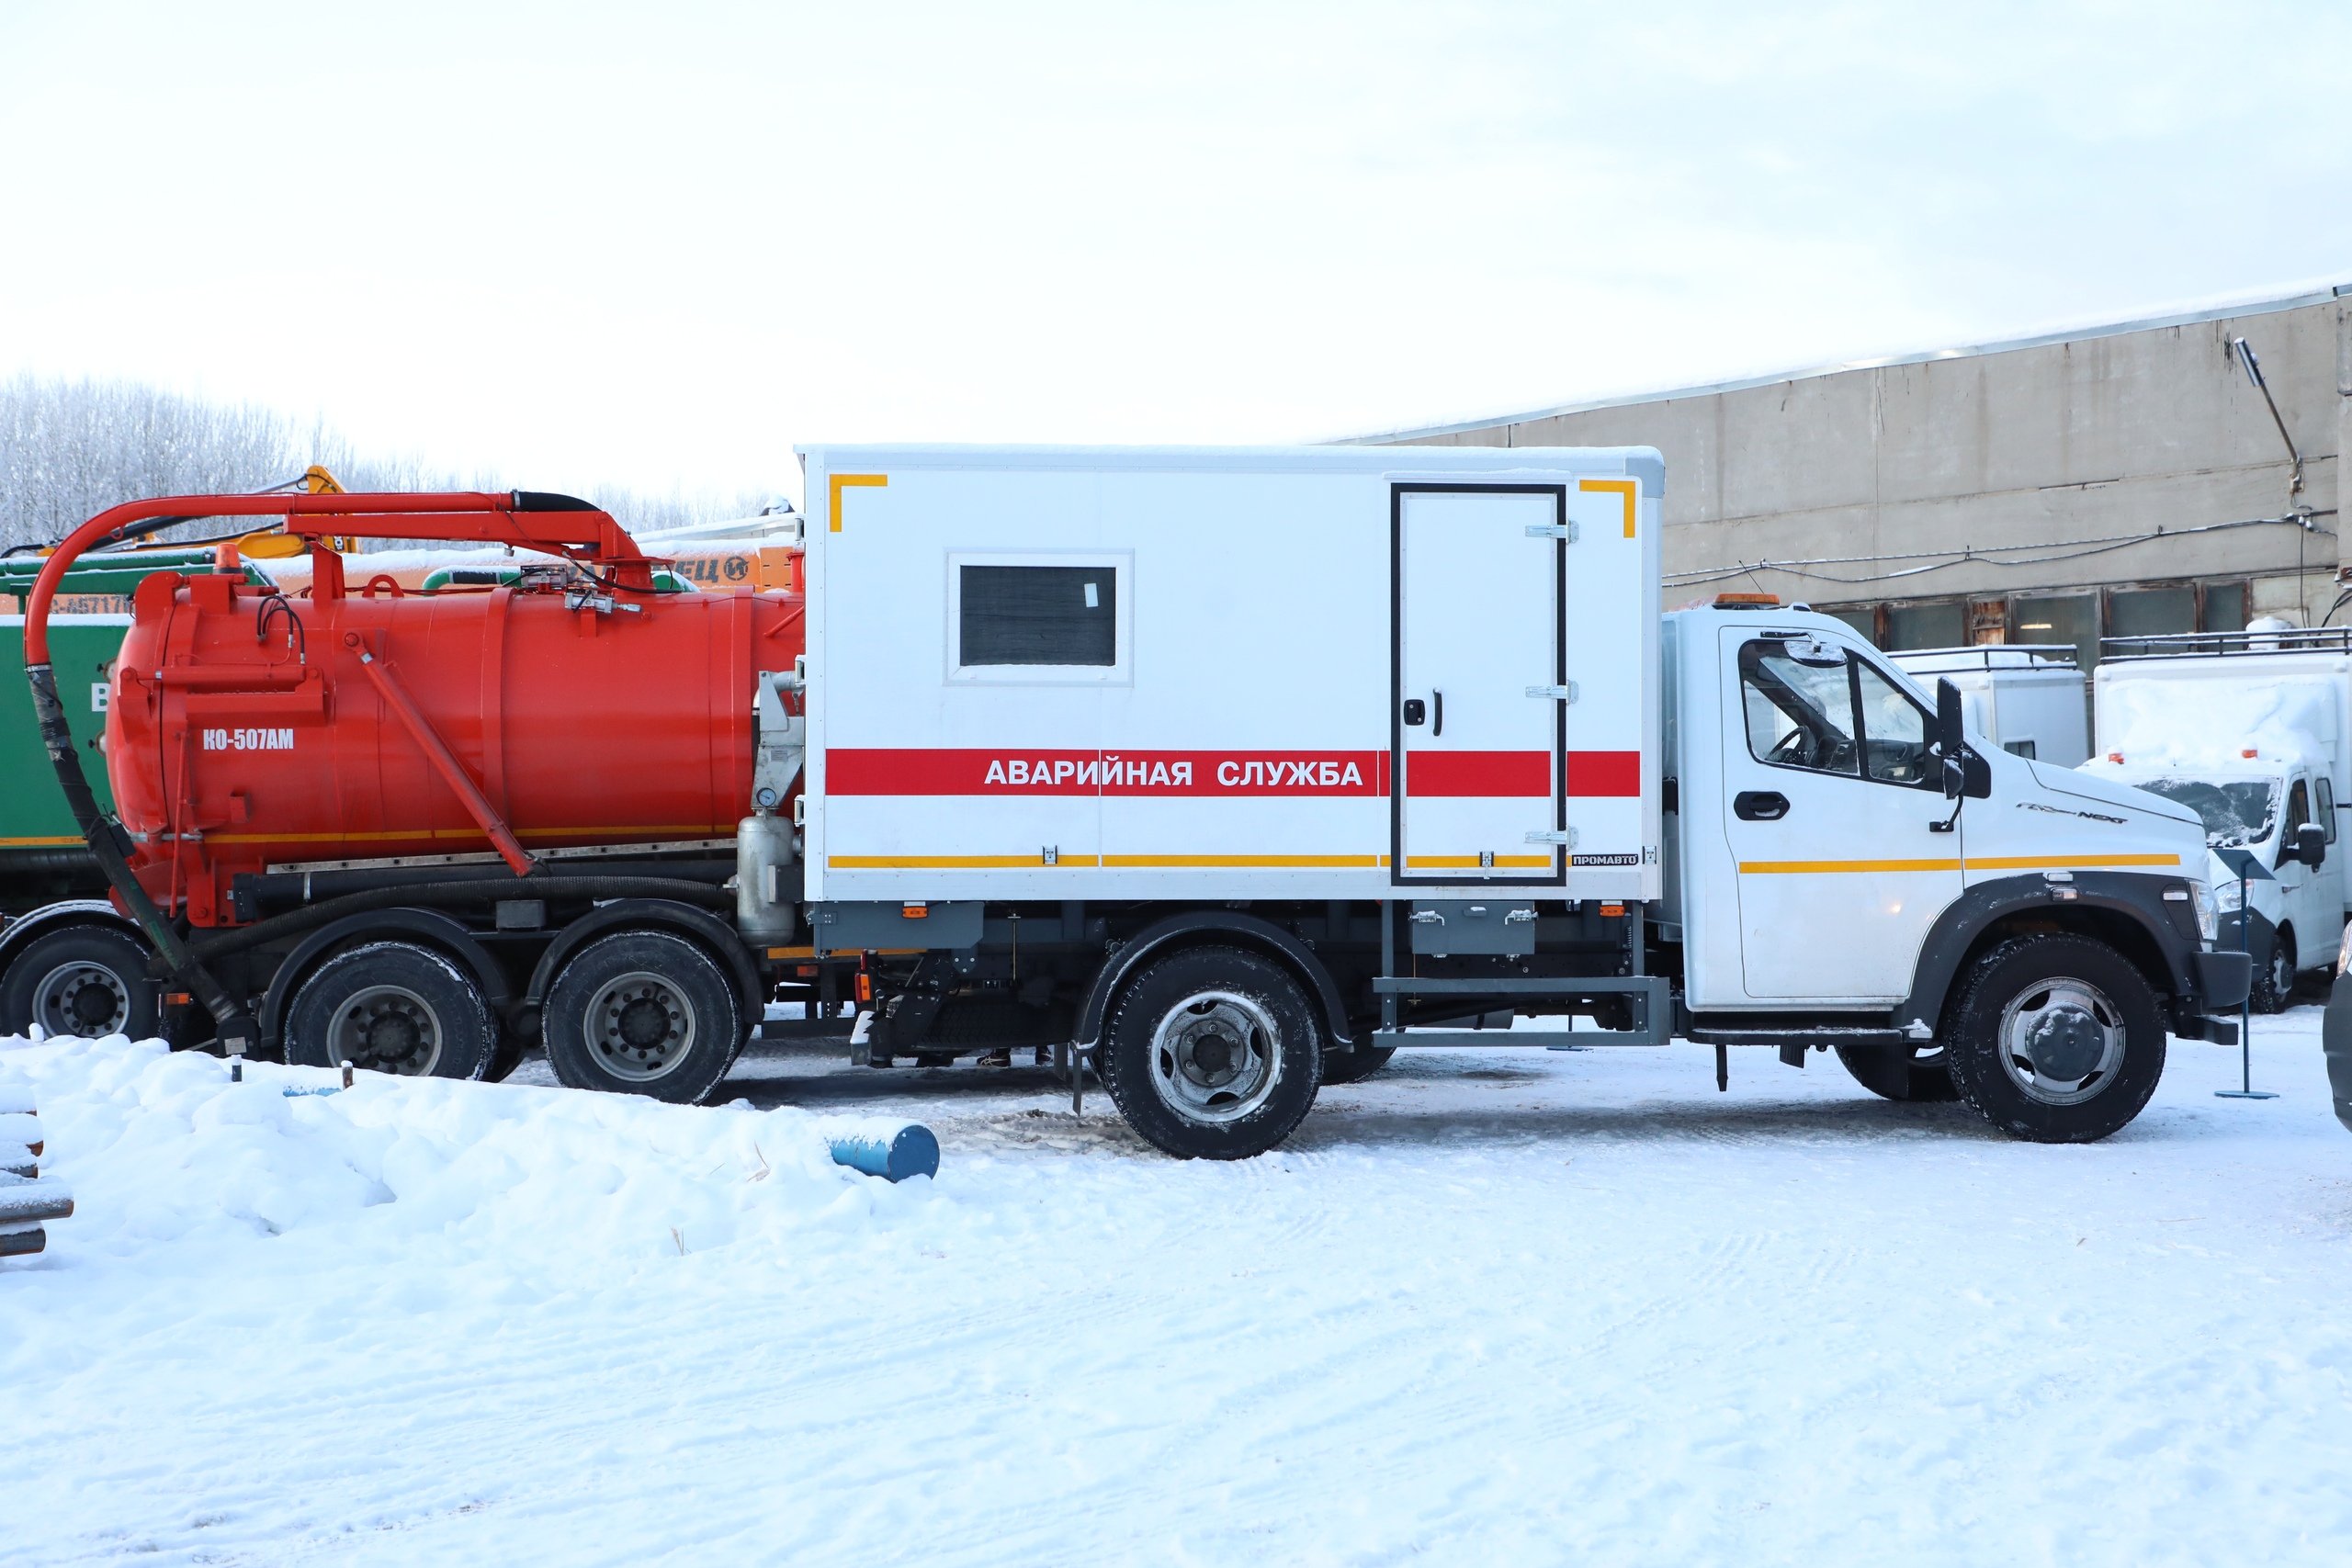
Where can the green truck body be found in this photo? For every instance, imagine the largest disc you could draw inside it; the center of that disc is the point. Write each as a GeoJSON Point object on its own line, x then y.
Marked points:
{"type": "Point", "coordinates": [41, 855]}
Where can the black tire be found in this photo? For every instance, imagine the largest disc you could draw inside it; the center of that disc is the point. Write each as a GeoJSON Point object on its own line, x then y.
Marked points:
{"type": "Point", "coordinates": [511, 1048]}
{"type": "Point", "coordinates": [2274, 982]}
{"type": "Point", "coordinates": [83, 981]}
{"type": "Point", "coordinates": [643, 1013]}
{"type": "Point", "coordinates": [1355, 1065]}
{"type": "Point", "coordinates": [1927, 1071]}
{"type": "Point", "coordinates": [1169, 1057]}
{"type": "Point", "coordinates": [391, 1007]}
{"type": "Point", "coordinates": [2056, 1039]}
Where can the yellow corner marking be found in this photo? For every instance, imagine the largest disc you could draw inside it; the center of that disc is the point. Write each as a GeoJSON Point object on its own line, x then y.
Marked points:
{"type": "Point", "coordinates": [839, 482]}
{"type": "Point", "coordinates": [1626, 488]}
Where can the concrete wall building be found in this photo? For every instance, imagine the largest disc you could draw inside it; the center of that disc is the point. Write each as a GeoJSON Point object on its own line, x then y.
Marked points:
{"type": "Point", "coordinates": [2119, 481]}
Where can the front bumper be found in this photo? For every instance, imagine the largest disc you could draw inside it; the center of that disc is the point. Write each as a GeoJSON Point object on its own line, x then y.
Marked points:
{"type": "Point", "coordinates": [2336, 1039]}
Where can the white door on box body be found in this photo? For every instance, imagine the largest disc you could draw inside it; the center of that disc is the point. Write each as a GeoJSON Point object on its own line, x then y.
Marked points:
{"type": "Point", "coordinates": [1478, 683]}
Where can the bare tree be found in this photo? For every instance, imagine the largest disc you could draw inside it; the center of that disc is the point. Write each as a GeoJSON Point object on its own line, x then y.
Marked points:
{"type": "Point", "coordinates": [69, 449]}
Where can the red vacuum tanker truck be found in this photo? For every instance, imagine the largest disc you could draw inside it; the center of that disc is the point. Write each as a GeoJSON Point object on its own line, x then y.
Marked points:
{"type": "Point", "coordinates": [1226, 772]}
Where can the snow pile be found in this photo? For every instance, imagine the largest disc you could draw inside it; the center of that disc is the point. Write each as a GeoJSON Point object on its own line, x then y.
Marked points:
{"type": "Point", "coordinates": [2207, 724]}
{"type": "Point", "coordinates": [163, 1150]}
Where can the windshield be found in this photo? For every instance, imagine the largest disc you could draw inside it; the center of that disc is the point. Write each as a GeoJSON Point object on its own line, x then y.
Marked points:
{"type": "Point", "coordinates": [2236, 814]}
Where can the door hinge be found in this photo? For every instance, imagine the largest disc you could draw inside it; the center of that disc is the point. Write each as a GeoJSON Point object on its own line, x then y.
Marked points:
{"type": "Point", "coordinates": [1554, 836]}
{"type": "Point", "coordinates": [1552, 531]}
{"type": "Point", "coordinates": [1567, 694]}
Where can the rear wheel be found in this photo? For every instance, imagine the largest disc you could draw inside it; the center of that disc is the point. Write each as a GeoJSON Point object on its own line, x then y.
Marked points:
{"type": "Point", "coordinates": [1211, 1053]}
{"type": "Point", "coordinates": [391, 1007]}
{"type": "Point", "coordinates": [643, 1013]}
{"type": "Point", "coordinates": [2059, 1039]}
{"type": "Point", "coordinates": [83, 981]}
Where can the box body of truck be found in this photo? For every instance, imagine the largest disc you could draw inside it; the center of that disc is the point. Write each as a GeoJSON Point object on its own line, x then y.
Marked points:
{"type": "Point", "coordinates": [2253, 730]}
{"type": "Point", "coordinates": [1168, 674]}
{"type": "Point", "coordinates": [2030, 700]}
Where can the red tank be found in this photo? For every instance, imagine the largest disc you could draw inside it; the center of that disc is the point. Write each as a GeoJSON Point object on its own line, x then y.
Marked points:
{"type": "Point", "coordinates": [247, 731]}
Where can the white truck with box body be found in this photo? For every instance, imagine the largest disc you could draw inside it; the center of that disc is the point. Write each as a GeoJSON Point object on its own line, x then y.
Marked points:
{"type": "Point", "coordinates": [2252, 731]}
{"type": "Point", "coordinates": [1238, 768]}
{"type": "Point", "coordinates": [2029, 699]}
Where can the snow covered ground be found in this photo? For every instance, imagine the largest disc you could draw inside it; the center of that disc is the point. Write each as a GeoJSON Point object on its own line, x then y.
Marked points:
{"type": "Point", "coordinates": [1493, 1306]}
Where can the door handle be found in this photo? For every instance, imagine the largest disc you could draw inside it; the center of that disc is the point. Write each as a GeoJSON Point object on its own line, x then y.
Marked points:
{"type": "Point", "coordinates": [1437, 717]}
{"type": "Point", "coordinates": [1759, 805]}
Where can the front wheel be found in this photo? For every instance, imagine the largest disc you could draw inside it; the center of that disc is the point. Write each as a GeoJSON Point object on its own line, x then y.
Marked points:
{"type": "Point", "coordinates": [643, 1013]}
{"type": "Point", "coordinates": [1213, 1053]}
{"type": "Point", "coordinates": [2058, 1039]}
{"type": "Point", "coordinates": [83, 981]}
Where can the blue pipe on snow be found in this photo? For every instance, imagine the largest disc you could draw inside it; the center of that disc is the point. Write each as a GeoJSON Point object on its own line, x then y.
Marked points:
{"type": "Point", "coordinates": [911, 1151]}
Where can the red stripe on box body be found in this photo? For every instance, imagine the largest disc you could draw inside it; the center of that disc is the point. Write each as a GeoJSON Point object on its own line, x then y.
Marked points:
{"type": "Point", "coordinates": [985, 771]}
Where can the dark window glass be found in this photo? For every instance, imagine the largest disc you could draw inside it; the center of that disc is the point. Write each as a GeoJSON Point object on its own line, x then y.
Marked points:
{"type": "Point", "coordinates": [2153, 611]}
{"type": "Point", "coordinates": [2326, 806]}
{"type": "Point", "coordinates": [1863, 620]}
{"type": "Point", "coordinates": [1038, 614]}
{"type": "Point", "coordinates": [2072, 618]}
{"type": "Point", "coordinates": [1927, 626]}
{"type": "Point", "coordinates": [2224, 607]}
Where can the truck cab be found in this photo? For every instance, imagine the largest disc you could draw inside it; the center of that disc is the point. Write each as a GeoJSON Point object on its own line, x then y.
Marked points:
{"type": "Point", "coordinates": [2288, 909]}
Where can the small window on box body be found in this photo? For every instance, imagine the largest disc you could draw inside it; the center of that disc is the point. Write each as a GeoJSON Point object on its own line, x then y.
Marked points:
{"type": "Point", "coordinates": [1064, 616]}
{"type": "Point", "coordinates": [1040, 618]}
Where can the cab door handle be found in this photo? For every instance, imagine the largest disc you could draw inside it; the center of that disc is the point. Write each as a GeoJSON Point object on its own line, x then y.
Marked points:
{"type": "Point", "coordinates": [1759, 805]}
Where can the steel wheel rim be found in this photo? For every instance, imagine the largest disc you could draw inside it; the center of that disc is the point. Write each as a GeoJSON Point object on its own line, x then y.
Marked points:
{"type": "Point", "coordinates": [1216, 1057]}
{"type": "Point", "coordinates": [640, 1027]}
{"type": "Point", "coordinates": [387, 1029]}
{"type": "Point", "coordinates": [2056, 1027]}
{"type": "Point", "coordinates": [2282, 971]}
{"type": "Point", "coordinates": [84, 999]}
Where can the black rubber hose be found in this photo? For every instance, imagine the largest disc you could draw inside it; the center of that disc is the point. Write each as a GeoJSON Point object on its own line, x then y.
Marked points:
{"type": "Point", "coordinates": [294, 922]}
{"type": "Point", "coordinates": [105, 836]}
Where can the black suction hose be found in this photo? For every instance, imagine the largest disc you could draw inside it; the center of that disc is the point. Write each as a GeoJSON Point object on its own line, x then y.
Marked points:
{"type": "Point", "coordinates": [238, 1032]}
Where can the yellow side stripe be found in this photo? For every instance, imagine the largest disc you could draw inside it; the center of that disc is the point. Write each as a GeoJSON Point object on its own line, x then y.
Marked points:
{"type": "Point", "coordinates": [1243, 862]}
{"type": "Point", "coordinates": [1987, 862]}
{"type": "Point", "coordinates": [41, 842]}
{"type": "Point", "coordinates": [1470, 862]}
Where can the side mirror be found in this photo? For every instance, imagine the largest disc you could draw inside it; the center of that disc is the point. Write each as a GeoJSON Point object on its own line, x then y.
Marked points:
{"type": "Point", "coordinates": [2309, 846]}
{"type": "Point", "coordinates": [1966, 774]}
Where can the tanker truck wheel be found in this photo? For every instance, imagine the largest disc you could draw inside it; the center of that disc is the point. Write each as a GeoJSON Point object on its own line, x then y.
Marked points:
{"type": "Point", "coordinates": [1211, 1053]}
{"type": "Point", "coordinates": [2058, 1039]}
{"type": "Point", "coordinates": [391, 1007]}
{"type": "Point", "coordinates": [84, 981]}
{"type": "Point", "coordinates": [643, 1013]}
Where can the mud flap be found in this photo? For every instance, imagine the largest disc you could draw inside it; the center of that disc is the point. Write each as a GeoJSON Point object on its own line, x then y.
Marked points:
{"type": "Point", "coordinates": [1882, 1069]}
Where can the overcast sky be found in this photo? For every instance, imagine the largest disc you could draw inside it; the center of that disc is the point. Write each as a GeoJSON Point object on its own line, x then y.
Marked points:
{"type": "Point", "coordinates": [660, 245]}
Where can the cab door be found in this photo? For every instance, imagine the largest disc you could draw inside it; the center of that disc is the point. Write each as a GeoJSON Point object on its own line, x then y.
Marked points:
{"type": "Point", "coordinates": [1829, 804]}
{"type": "Point", "coordinates": [2310, 899]}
